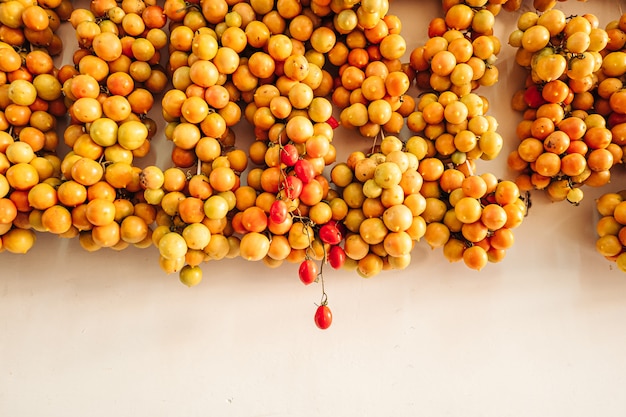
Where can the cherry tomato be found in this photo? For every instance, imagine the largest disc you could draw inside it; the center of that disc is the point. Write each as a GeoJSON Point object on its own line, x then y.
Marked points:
{"type": "Point", "coordinates": [533, 97]}
{"type": "Point", "coordinates": [278, 211]}
{"type": "Point", "coordinates": [304, 170]}
{"type": "Point", "coordinates": [292, 186]}
{"type": "Point", "coordinates": [307, 271]}
{"type": "Point", "coordinates": [323, 317]}
{"type": "Point", "coordinates": [336, 257]}
{"type": "Point", "coordinates": [340, 227]}
{"type": "Point", "coordinates": [329, 233]}
{"type": "Point", "coordinates": [615, 119]}
{"type": "Point", "coordinates": [289, 155]}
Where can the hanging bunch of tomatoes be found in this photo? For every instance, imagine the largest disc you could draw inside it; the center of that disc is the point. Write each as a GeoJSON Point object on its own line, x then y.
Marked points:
{"type": "Point", "coordinates": [298, 72]}
{"type": "Point", "coordinates": [609, 102]}
{"type": "Point", "coordinates": [565, 141]}
{"type": "Point", "coordinates": [32, 102]}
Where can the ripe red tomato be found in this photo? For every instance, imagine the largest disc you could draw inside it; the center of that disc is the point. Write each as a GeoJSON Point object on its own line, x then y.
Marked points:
{"type": "Point", "coordinates": [533, 97]}
{"type": "Point", "coordinates": [323, 317]}
{"type": "Point", "coordinates": [289, 155]}
{"type": "Point", "coordinates": [329, 233]}
{"type": "Point", "coordinates": [304, 170]}
{"type": "Point", "coordinates": [292, 186]}
{"type": "Point", "coordinates": [336, 257]}
{"type": "Point", "coordinates": [340, 226]}
{"type": "Point", "coordinates": [278, 211]}
{"type": "Point", "coordinates": [616, 119]}
{"type": "Point", "coordinates": [307, 271]}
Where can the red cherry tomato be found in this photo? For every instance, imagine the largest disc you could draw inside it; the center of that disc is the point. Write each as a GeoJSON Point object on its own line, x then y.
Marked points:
{"type": "Point", "coordinates": [333, 122]}
{"type": "Point", "coordinates": [329, 233]}
{"type": "Point", "coordinates": [533, 97]}
{"type": "Point", "coordinates": [336, 257]}
{"type": "Point", "coordinates": [488, 199]}
{"type": "Point", "coordinates": [616, 119]}
{"type": "Point", "coordinates": [292, 186]}
{"type": "Point", "coordinates": [278, 211]}
{"type": "Point", "coordinates": [323, 317]}
{"type": "Point", "coordinates": [340, 227]}
{"type": "Point", "coordinates": [307, 271]}
{"type": "Point", "coordinates": [304, 170]}
{"type": "Point", "coordinates": [289, 155]}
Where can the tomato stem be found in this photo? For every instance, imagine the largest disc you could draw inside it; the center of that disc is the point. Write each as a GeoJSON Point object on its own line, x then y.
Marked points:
{"type": "Point", "coordinates": [324, 299]}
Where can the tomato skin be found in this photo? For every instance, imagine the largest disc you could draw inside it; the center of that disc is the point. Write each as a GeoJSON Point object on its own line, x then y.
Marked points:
{"type": "Point", "coordinates": [289, 155]}
{"type": "Point", "coordinates": [304, 170]}
{"type": "Point", "coordinates": [532, 97]}
{"type": "Point", "coordinates": [307, 271]}
{"type": "Point", "coordinates": [323, 317]}
{"type": "Point", "coordinates": [616, 119]}
{"type": "Point", "coordinates": [330, 234]}
{"type": "Point", "coordinates": [278, 211]}
{"type": "Point", "coordinates": [340, 227]}
{"type": "Point", "coordinates": [292, 186]}
{"type": "Point", "coordinates": [336, 257]}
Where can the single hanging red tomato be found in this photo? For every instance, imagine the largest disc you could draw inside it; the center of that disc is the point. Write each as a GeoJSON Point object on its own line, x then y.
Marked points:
{"type": "Point", "coordinates": [336, 257]}
{"type": "Point", "coordinates": [323, 317]}
{"type": "Point", "coordinates": [307, 271]}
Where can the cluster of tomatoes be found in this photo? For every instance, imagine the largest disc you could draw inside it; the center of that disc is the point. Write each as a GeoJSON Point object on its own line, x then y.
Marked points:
{"type": "Point", "coordinates": [457, 209]}
{"type": "Point", "coordinates": [572, 132]}
{"type": "Point", "coordinates": [539, 5]}
{"type": "Point", "coordinates": [610, 230]}
{"type": "Point", "coordinates": [566, 138]}
{"type": "Point", "coordinates": [31, 101]}
{"type": "Point", "coordinates": [34, 23]}
{"type": "Point", "coordinates": [495, 6]}
{"type": "Point", "coordinates": [284, 67]}
{"type": "Point", "coordinates": [609, 100]}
